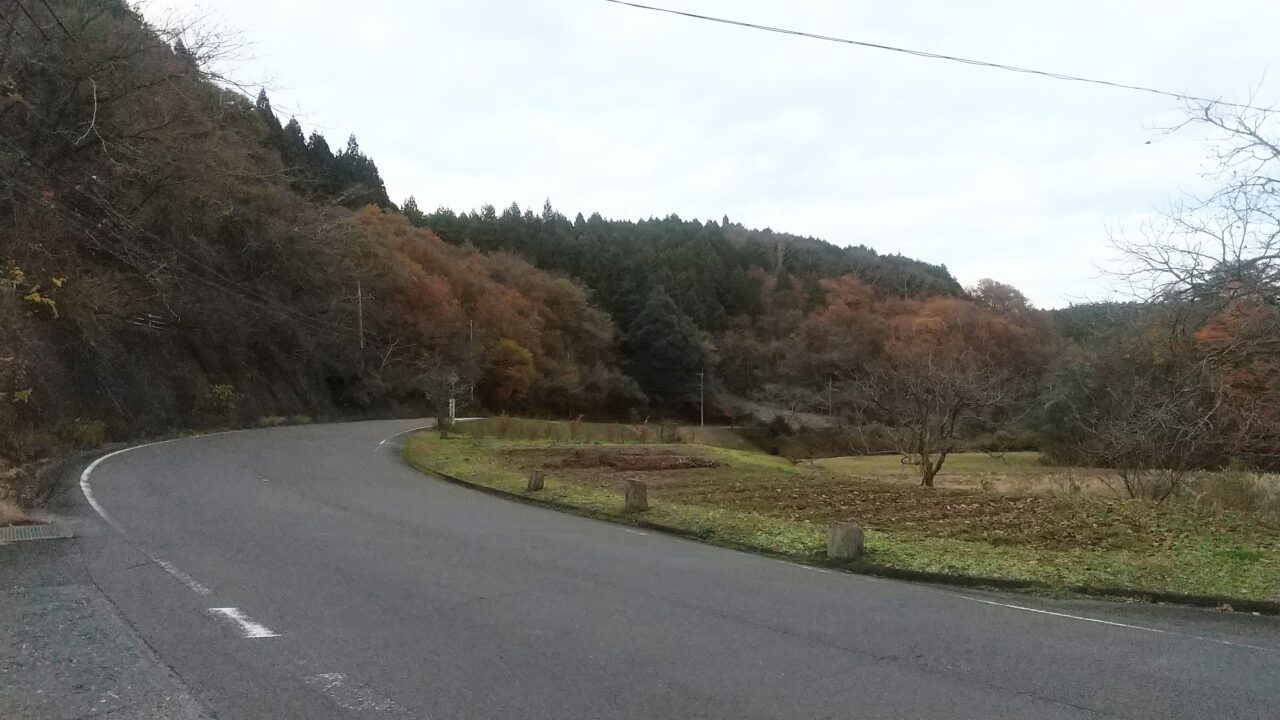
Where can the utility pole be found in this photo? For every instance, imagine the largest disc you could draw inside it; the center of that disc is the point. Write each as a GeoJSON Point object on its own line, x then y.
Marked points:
{"type": "Point", "coordinates": [702, 405]}
{"type": "Point", "coordinates": [453, 402]}
{"type": "Point", "coordinates": [831, 400]}
{"type": "Point", "coordinates": [360, 321]}
{"type": "Point", "coordinates": [360, 312]}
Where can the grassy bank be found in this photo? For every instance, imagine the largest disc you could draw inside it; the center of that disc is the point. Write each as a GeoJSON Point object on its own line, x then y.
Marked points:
{"type": "Point", "coordinates": [743, 497]}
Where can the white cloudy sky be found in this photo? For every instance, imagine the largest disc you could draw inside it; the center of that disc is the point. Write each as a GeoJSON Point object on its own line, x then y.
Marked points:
{"type": "Point", "coordinates": [637, 114]}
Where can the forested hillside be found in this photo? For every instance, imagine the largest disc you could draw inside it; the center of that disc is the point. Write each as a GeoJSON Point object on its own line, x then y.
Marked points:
{"type": "Point", "coordinates": [715, 271]}
{"type": "Point", "coordinates": [168, 263]}
{"type": "Point", "coordinates": [176, 254]}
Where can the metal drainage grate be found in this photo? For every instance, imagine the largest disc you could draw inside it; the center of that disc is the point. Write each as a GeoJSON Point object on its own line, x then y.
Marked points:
{"type": "Point", "coordinates": [48, 531]}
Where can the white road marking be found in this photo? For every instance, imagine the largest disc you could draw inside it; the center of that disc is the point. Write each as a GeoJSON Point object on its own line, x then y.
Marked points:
{"type": "Point", "coordinates": [634, 532]}
{"type": "Point", "coordinates": [355, 697]}
{"type": "Point", "coordinates": [388, 439]}
{"type": "Point", "coordinates": [248, 628]}
{"type": "Point", "coordinates": [802, 566]}
{"type": "Point", "coordinates": [1127, 626]}
{"type": "Point", "coordinates": [182, 577]}
{"type": "Point", "coordinates": [385, 440]}
{"type": "Point", "coordinates": [87, 490]}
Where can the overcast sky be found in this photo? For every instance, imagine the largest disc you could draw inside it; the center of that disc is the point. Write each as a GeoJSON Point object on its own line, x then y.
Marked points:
{"type": "Point", "coordinates": [634, 114]}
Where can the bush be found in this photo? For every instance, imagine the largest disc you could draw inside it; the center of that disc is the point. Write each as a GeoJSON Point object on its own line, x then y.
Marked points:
{"type": "Point", "coordinates": [669, 432]}
{"type": "Point", "coordinates": [84, 434]}
{"type": "Point", "coordinates": [1241, 491]}
{"type": "Point", "coordinates": [1004, 441]}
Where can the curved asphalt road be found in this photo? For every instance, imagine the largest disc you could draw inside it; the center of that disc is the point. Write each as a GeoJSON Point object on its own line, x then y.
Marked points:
{"type": "Point", "coordinates": [377, 592]}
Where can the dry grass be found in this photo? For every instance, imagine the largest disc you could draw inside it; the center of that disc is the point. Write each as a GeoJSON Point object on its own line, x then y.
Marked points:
{"type": "Point", "coordinates": [1015, 473]}
{"type": "Point", "coordinates": [965, 526]}
{"type": "Point", "coordinates": [706, 476]}
{"type": "Point", "coordinates": [1021, 474]}
{"type": "Point", "coordinates": [573, 431]}
{"type": "Point", "coordinates": [1239, 491]}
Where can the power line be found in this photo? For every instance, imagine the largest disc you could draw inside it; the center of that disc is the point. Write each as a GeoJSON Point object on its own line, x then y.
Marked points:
{"type": "Point", "coordinates": [939, 56]}
{"type": "Point", "coordinates": [56, 19]}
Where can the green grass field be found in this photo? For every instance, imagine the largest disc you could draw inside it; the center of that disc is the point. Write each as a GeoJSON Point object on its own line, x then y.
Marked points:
{"type": "Point", "coordinates": [743, 497]}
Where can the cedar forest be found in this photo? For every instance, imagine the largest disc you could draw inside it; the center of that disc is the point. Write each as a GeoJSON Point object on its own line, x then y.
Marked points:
{"type": "Point", "coordinates": [176, 256]}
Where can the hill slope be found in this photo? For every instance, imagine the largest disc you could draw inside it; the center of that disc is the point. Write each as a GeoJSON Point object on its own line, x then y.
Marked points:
{"type": "Point", "coordinates": [162, 268]}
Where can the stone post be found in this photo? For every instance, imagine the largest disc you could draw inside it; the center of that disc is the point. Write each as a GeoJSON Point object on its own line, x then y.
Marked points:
{"type": "Point", "coordinates": [535, 481]}
{"type": "Point", "coordinates": [844, 541]}
{"type": "Point", "coordinates": [637, 499]}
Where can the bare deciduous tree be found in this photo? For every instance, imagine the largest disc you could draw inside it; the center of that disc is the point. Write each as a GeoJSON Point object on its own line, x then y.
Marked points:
{"type": "Point", "coordinates": [927, 395]}
{"type": "Point", "coordinates": [1213, 263]}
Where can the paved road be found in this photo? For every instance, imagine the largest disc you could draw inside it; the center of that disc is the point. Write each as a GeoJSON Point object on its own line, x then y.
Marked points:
{"type": "Point", "coordinates": [307, 572]}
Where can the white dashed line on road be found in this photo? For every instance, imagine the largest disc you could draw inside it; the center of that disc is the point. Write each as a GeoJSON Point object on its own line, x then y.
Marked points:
{"type": "Point", "coordinates": [248, 628]}
{"type": "Point", "coordinates": [182, 577]}
{"type": "Point", "coordinates": [354, 696]}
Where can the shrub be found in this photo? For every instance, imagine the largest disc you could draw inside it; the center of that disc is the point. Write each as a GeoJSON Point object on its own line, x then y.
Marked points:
{"type": "Point", "coordinates": [84, 434]}
{"type": "Point", "coordinates": [1240, 490]}
{"type": "Point", "coordinates": [669, 432]}
{"type": "Point", "coordinates": [504, 426]}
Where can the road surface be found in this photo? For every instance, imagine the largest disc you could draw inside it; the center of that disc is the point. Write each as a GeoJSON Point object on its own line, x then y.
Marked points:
{"type": "Point", "coordinates": [308, 572]}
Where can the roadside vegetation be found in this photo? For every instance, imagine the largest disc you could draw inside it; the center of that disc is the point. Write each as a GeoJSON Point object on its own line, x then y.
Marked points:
{"type": "Point", "coordinates": [1022, 524]}
{"type": "Point", "coordinates": [11, 514]}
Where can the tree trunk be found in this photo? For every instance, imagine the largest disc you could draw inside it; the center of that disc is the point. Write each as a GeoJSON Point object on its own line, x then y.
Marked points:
{"type": "Point", "coordinates": [927, 471]}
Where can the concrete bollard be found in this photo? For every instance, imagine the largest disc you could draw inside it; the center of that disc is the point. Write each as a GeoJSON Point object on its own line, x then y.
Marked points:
{"type": "Point", "coordinates": [844, 541]}
{"type": "Point", "coordinates": [637, 499]}
{"type": "Point", "coordinates": [535, 481]}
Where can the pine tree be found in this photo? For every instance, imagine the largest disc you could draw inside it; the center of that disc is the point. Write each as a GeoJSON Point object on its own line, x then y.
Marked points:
{"type": "Point", "coordinates": [664, 351]}
{"type": "Point", "coordinates": [357, 177]}
{"type": "Point", "coordinates": [188, 61]}
{"type": "Point", "coordinates": [318, 151]}
{"type": "Point", "coordinates": [275, 133]}
{"type": "Point", "coordinates": [293, 146]}
{"type": "Point", "coordinates": [411, 211]}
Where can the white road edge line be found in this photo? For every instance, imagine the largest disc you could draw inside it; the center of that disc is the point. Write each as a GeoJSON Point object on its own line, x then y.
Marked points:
{"type": "Point", "coordinates": [248, 628]}
{"type": "Point", "coordinates": [802, 566]}
{"type": "Point", "coordinates": [87, 490]}
{"type": "Point", "coordinates": [389, 438]}
{"type": "Point", "coordinates": [386, 440]}
{"type": "Point", "coordinates": [1115, 624]}
{"type": "Point", "coordinates": [634, 532]}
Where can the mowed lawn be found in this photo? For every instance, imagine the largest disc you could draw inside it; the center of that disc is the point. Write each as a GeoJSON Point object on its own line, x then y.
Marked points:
{"type": "Point", "coordinates": [739, 496]}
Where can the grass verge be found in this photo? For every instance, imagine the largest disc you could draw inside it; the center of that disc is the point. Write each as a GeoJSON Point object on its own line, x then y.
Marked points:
{"type": "Point", "coordinates": [755, 501]}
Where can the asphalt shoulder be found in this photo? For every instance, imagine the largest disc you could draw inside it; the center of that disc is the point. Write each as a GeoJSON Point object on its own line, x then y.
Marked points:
{"type": "Point", "coordinates": [65, 650]}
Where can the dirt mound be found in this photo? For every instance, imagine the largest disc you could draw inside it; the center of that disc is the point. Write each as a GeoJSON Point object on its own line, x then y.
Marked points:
{"type": "Point", "coordinates": [632, 461]}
